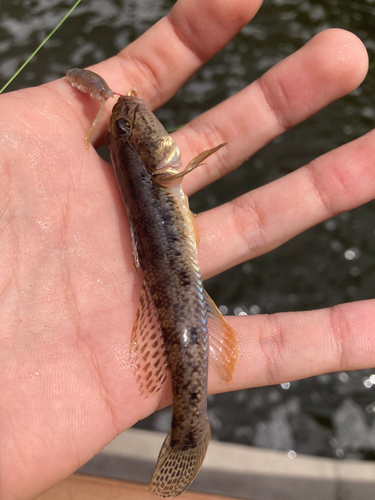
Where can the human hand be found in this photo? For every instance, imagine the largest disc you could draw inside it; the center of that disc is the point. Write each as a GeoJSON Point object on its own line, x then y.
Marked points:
{"type": "Point", "coordinates": [69, 291]}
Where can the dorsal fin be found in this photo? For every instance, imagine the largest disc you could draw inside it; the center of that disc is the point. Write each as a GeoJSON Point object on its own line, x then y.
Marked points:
{"type": "Point", "coordinates": [167, 177]}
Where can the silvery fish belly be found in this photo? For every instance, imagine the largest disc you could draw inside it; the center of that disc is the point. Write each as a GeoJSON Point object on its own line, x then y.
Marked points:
{"type": "Point", "coordinates": [177, 325]}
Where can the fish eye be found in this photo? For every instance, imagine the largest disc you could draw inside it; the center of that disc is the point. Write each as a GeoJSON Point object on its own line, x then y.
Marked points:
{"type": "Point", "coordinates": [123, 126]}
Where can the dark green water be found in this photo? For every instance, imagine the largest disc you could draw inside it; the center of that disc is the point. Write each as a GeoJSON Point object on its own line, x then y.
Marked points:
{"type": "Point", "coordinates": [331, 415]}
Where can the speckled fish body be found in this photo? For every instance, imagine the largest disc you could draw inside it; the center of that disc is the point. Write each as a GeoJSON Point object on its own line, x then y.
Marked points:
{"type": "Point", "coordinates": [173, 303]}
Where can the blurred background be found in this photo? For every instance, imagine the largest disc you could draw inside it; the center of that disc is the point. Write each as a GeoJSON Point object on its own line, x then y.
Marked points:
{"type": "Point", "coordinates": [331, 415]}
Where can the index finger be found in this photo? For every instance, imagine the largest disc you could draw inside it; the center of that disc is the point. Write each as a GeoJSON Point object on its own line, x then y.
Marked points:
{"type": "Point", "coordinates": [159, 62]}
{"type": "Point", "coordinates": [169, 53]}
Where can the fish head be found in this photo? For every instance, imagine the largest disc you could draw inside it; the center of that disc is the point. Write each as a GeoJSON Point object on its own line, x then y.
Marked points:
{"type": "Point", "coordinates": [133, 123]}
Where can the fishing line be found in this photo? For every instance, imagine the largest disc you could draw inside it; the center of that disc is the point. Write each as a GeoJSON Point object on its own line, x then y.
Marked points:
{"type": "Point", "coordinates": [40, 46]}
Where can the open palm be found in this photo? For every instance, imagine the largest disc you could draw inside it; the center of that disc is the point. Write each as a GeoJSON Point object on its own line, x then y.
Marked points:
{"type": "Point", "coordinates": [68, 289]}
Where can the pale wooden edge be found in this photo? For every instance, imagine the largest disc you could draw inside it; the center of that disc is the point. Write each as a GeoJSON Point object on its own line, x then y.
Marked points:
{"type": "Point", "coordinates": [82, 487]}
{"type": "Point", "coordinates": [241, 471]}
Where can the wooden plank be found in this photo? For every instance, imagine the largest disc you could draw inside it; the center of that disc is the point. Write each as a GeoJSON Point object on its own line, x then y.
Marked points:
{"type": "Point", "coordinates": [81, 487]}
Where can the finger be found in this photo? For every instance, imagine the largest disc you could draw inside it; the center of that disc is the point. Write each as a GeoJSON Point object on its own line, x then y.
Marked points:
{"type": "Point", "coordinates": [287, 346]}
{"type": "Point", "coordinates": [263, 219]}
{"type": "Point", "coordinates": [331, 65]}
{"type": "Point", "coordinates": [168, 54]}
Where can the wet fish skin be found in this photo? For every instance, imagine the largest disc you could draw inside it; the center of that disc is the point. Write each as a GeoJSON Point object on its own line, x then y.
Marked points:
{"type": "Point", "coordinates": [166, 251]}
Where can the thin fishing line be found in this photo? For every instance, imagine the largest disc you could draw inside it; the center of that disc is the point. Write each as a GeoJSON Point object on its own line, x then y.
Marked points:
{"type": "Point", "coordinates": [40, 46]}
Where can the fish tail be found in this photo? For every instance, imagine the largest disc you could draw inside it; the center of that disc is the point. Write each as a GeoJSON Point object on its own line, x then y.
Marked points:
{"type": "Point", "coordinates": [177, 466]}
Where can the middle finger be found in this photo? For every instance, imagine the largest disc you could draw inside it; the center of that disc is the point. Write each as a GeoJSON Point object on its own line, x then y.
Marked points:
{"type": "Point", "coordinates": [328, 67]}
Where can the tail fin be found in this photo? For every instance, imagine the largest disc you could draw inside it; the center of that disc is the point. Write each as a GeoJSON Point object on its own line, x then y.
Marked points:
{"type": "Point", "coordinates": [176, 467]}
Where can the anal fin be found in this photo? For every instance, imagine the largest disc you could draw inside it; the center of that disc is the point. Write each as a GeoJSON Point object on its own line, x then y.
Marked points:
{"type": "Point", "coordinates": [223, 342]}
{"type": "Point", "coordinates": [147, 346]}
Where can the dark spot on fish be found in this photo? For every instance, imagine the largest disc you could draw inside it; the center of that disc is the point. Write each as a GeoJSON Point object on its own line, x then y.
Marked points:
{"type": "Point", "coordinates": [193, 396]}
{"type": "Point", "coordinates": [145, 358]}
{"type": "Point", "coordinates": [172, 238]}
{"type": "Point", "coordinates": [184, 277]}
{"type": "Point", "coordinates": [193, 335]}
{"type": "Point", "coordinates": [143, 348]}
{"type": "Point", "coordinates": [166, 217]}
{"type": "Point", "coordinates": [189, 441]}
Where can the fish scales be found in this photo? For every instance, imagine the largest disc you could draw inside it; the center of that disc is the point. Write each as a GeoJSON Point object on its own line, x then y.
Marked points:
{"type": "Point", "coordinates": [146, 161]}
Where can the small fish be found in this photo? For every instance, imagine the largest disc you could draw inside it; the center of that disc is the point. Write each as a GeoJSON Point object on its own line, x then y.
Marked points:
{"type": "Point", "coordinates": [174, 314]}
{"type": "Point", "coordinates": [89, 82]}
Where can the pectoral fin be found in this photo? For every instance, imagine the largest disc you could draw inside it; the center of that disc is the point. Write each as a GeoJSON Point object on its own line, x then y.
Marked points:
{"type": "Point", "coordinates": [223, 342]}
{"type": "Point", "coordinates": [147, 346]}
{"type": "Point", "coordinates": [164, 178]}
